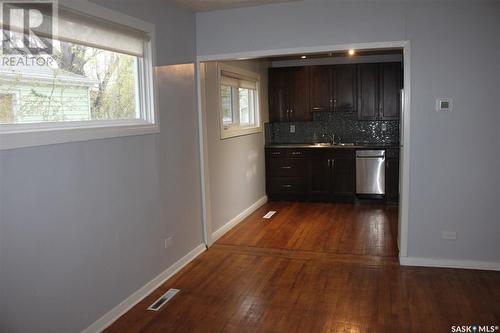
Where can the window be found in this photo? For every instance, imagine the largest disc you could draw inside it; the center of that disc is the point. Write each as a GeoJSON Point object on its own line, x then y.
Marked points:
{"type": "Point", "coordinates": [7, 104]}
{"type": "Point", "coordinates": [239, 102]}
{"type": "Point", "coordinates": [99, 77]}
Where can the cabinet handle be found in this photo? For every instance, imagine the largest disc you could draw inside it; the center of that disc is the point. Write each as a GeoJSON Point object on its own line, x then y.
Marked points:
{"type": "Point", "coordinates": [286, 186]}
{"type": "Point", "coordinates": [333, 162]}
{"type": "Point", "coordinates": [296, 153]}
{"type": "Point", "coordinates": [286, 167]}
{"type": "Point", "coordinates": [329, 162]}
{"type": "Point", "coordinates": [276, 153]}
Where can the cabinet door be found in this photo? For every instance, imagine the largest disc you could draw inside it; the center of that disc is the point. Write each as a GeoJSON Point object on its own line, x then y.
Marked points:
{"type": "Point", "coordinates": [278, 94]}
{"type": "Point", "coordinates": [319, 174]}
{"type": "Point", "coordinates": [320, 90]}
{"type": "Point", "coordinates": [390, 90]}
{"type": "Point", "coordinates": [344, 86]}
{"type": "Point", "coordinates": [392, 179]}
{"type": "Point", "coordinates": [368, 91]}
{"type": "Point", "coordinates": [298, 93]}
{"type": "Point", "coordinates": [343, 181]}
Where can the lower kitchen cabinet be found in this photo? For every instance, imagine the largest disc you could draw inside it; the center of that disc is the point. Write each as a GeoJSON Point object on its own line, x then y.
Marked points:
{"type": "Point", "coordinates": [343, 183]}
{"type": "Point", "coordinates": [318, 174]}
{"type": "Point", "coordinates": [286, 171]}
{"type": "Point", "coordinates": [392, 175]}
{"type": "Point", "coordinates": [331, 174]}
{"type": "Point", "coordinates": [321, 174]}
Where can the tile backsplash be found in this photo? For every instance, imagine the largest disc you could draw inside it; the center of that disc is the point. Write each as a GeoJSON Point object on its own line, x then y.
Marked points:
{"type": "Point", "coordinates": [345, 125]}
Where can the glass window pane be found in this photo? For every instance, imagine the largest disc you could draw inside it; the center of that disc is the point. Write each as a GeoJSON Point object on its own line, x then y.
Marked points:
{"type": "Point", "coordinates": [227, 104]}
{"type": "Point", "coordinates": [6, 108]}
{"type": "Point", "coordinates": [76, 83]}
{"type": "Point", "coordinates": [244, 106]}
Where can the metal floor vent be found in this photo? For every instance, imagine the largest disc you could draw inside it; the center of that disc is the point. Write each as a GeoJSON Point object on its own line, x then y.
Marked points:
{"type": "Point", "coordinates": [269, 214]}
{"type": "Point", "coordinates": [163, 299]}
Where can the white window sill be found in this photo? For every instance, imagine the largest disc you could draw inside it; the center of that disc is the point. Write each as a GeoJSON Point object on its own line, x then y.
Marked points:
{"type": "Point", "coordinates": [21, 136]}
{"type": "Point", "coordinates": [239, 131]}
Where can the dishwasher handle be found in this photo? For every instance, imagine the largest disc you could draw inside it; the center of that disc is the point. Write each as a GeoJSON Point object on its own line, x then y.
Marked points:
{"type": "Point", "coordinates": [370, 153]}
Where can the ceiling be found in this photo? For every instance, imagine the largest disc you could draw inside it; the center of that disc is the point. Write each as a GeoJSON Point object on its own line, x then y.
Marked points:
{"type": "Point", "coordinates": [208, 5]}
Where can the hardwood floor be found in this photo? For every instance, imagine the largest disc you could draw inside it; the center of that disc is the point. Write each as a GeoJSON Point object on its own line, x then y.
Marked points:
{"type": "Point", "coordinates": [362, 229]}
{"type": "Point", "coordinates": [316, 268]}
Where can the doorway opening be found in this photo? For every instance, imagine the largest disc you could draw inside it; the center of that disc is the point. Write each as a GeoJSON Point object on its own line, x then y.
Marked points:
{"type": "Point", "coordinates": [297, 129]}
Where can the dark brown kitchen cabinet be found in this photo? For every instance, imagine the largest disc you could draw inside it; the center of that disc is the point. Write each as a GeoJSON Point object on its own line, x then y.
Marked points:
{"type": "Point", "coordinates": [392, 175]}
{"type": "Point", "coordinates": [321, 92]}
{"type": "Point", "coordinates": [368, 91]}
{"type": "Point", "coordinates": [319, 174]}
{"type": "Point", "coordinates": [288, 94]}
{"type": "Point", "coordinates": [344, 88]}
{"type": "Point", "coordinates": [331, 174]}
{"type": "Point", "coordinates": [390, 91]}
{"type": "Point", "coordinates": [322, 174]}
{"type": "Point", "coordinates": [343, 176]}
{"type": "Point", "coordinates": [379, 91]}
{"type": "Point", "coordinates": [278, 94]}
{"type": "Point", "coordinates": [333, 88]}
{"type": "Point", "coordinates": [286, 171]}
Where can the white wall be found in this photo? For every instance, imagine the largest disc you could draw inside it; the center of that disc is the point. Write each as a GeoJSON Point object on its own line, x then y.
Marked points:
{"type": "Point", "coordinates": [236, 165]}
{"type": "Point", "coordinates": [454, 178]}
{"type": "Point", "coordinates": [83, 224]}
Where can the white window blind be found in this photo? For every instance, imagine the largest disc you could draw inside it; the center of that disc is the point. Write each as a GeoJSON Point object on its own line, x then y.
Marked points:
{"type": "Point", "coordinates": [79, 28]}
{"type": "Point", "coordinates": [237, 81]}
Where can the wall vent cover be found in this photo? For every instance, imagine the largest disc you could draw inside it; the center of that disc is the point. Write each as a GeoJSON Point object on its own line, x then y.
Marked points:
{"type": "Point", "coordinates": [163, 299]}
{"type": "Point", "coordinates": [269, 214]}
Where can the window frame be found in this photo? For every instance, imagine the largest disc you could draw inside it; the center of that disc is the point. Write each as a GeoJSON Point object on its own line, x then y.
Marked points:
{"type": "Point", "coordinates": [235, 130]}
{"type": "Point", "coordinates": [14, 136]}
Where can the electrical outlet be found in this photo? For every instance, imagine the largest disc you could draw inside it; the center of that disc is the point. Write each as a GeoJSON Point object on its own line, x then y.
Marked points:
{"type": "Point", "coordinates": [169, 242]}
{"type": "Point", "coordinates": [384, 127]}
{"type": "Point", "coordinates": [449, 235]}
{"type": "Point", "coordinates": [292, 128]}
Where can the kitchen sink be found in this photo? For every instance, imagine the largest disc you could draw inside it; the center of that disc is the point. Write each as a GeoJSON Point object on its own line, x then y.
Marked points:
{"type": "Point", "coordinates": [327, 144]}
{"type": "Point", "coordinates": [322, 144]}
{"type": "Point", "coordinates": [344, 144]}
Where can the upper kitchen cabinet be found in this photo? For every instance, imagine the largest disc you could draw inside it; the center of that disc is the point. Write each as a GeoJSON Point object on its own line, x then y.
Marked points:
{"type": "Point", "coordinates": [379, 89]}
{"type": "Point", "coordinates": [344, 88]}
{"type": "Point", "coordinates": [321, 92]}
{"type": "Point", "coordinates": [288, 94]}
{"type": "Point", "coordinates": [390, 90]}
{"type": "Point", "coordinates": [333, 88]}
{"type": "Point", "coordinates": [278, 94]}
{"type": "Point", "coordinates": [368, 91]}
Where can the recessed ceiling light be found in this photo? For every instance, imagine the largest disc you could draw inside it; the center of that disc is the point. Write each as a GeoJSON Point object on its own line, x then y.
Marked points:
{"type": "Point", "coordinates": [303, 57]}
{"type": "Point", "coordinates": [351, 52]}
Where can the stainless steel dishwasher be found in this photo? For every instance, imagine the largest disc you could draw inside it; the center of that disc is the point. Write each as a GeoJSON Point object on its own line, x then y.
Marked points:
{"type": "Point", "coordinates": [370, 172]}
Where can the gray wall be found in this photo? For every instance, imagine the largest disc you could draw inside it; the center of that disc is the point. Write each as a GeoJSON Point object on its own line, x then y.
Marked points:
{"type": "Point", "coordinates": [454, 178]}
{"type": "Point", "coordinates": [236, 165]}
{"type": "Point", "coordinates": [83, 224]}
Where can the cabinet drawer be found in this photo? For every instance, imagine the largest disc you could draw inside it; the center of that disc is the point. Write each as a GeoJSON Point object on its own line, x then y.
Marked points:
{"type": "Point", "coordinates": [295, 152]}
{"type": "Point", "coordinates": [286, 167]}
{"type": "Point", "coordinates": [275, 152]}
{"type": "Point", "coordinates": [286, 185]}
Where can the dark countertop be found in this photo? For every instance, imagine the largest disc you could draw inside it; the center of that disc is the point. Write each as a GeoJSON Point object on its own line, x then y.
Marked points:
{"type": "Point", "coordinates": [341, 146]}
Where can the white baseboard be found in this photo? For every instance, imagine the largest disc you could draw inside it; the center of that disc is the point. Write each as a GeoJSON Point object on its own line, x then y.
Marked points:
{"type": "Point", "coordinates": [238, 218]}
{"type": "Point", "coordinates": [450, 263]}
{"type": "Point", "coordinates": [137, 296]}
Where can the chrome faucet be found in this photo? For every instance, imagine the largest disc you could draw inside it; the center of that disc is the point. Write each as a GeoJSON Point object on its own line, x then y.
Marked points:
{"type": "Point", "coordinates": [331, 138]}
